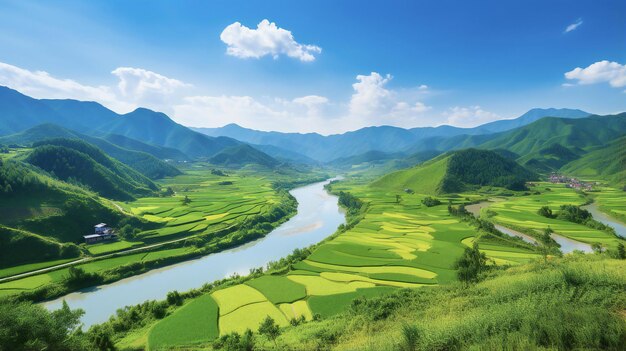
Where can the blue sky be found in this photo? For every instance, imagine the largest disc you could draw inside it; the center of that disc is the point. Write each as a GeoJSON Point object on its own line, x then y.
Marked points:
{"type": "Point", "coordinates": [342, 65]}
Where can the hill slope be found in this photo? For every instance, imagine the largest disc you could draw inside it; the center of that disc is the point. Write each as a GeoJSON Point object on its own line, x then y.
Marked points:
{"type": "Point", "coordinates": [76, 161]}
{"type": "Point", "coordinates": [142, 162]}
{"type": "Point", "coordinates": [607, 162]}
{"type": "Point", "coordinates": [242, 155]}
{"type": "Point", "coordinates": [458, 171]}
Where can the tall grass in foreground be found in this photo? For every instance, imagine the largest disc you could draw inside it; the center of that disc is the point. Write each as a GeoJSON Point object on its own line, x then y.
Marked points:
{"type": "Point", "coordinates": [577, 302]}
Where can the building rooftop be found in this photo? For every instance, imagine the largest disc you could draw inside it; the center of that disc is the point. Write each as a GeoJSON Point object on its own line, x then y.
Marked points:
{"type": "Point", "coordinates": [100, 225]}
{"type": "Point", "coordinates": [91, 236]}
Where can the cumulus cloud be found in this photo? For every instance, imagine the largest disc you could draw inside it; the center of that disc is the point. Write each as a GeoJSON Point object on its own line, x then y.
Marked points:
{"type": "Point", "coordinates": [41, 85]}
{"type": "Point", "coordinates": [266, 39]}
{"type": "Point", "coordinates": [469, 116]}
{"type": "Point", "coordinates": [138, 82]}
{"type": "Point", "coordinates": [372, 99]}
{"type": "Point", "coordinates": [136, 87]}
{"type": "Point", "coordinates": [600, 72]}
{"type": "Point", "coordinates": [574, 25]}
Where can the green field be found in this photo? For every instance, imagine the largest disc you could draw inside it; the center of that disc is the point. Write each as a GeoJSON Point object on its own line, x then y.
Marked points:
{"type": "Point", "coordinates": [396, 245]}
{"type": "Point", "coordinates": [212, 207]}
{"type": "Point", "coordinates": [195, 322]}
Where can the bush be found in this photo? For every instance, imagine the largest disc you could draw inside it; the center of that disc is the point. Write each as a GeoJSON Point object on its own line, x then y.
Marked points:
{"type": "Point", "coordinates": [430, 201]}
{"type": "Point", "coordinates": [174, 298]}
{"type": "Point", "coordinates": [545, 211]}
{"type": "Point", "coordinates": [471, 264]}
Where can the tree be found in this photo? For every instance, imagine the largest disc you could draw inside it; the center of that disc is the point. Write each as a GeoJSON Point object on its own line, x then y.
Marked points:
{"type": "Point", "coordinates": [471, 264]}
{"type": "Point", "coordinates": [174, 298]}
{"type": "Point", "coordinates": [27, 326]}
{"type": "Point", "coordinates": [547, 244]}
{"type": "Point", "coordinates": [621, 252]}
{"type": "Point", "coordinates": [398, 199]}
{"type": "Point", "coordinates": [430, 201]}
{"type": "Point", "coordinates": [270, 329]}
{"type": "Point", "coordinates": [546, 212]}
{"type": "Point", "coordinates": [597, 247]}
{"type": "Point", "coordinates": [186, 200]}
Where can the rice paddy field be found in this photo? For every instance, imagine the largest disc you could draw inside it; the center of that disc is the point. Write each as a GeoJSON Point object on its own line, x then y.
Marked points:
{"type": "Point", "coordinates": [612, 202]}
{"type": "Point", "coordinates": [217, 203]}
{"type": "Point", "coordinates": [521, 212]}
{"type": "Point", "coordinates": [396, 245]}
{"type": "Point", "coordinates": [214, 205]}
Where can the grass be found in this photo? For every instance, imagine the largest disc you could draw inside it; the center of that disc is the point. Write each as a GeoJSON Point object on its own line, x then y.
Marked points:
{"type": "Point", "coordinates": [195, 322]}
{"type": "Point", "coordinates": [25, 268]}
{"type": "Point", "coordinates": [249, 317]}
{"type": "Point", "coordinates": [331, 305]}
{"type": "Point", "coordinates": [278, 289]}
{"type": "Point", "coordinates": [231, 298]}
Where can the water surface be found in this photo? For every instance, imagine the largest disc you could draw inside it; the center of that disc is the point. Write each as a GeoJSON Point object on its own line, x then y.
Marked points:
{"type": "Point", "coordinates": [620, 228]}
{"type": "Point", "coordinates": [318, 216]}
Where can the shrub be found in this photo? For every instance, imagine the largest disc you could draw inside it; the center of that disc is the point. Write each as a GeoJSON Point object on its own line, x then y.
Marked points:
{"type": "Point", "coordinates": [430, 201]}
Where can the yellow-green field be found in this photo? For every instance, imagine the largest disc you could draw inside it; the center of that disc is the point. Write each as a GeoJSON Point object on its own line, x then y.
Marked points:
{"type": "Point", "coordinates": [521, 212]}
{"type": "Point", "coordinates": [396, 245]}
{"type": "Point", "coordinates": [213, 207]}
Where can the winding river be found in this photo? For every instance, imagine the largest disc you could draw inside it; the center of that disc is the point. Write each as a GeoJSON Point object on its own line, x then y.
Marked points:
{"type": "Point", "coordinates": [620, 228]}
{"type": "Point", "coordinates": [318, 216]}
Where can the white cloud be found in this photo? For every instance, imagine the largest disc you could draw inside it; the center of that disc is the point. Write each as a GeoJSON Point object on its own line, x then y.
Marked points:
{"type": "Point", "coordinates": [574, 25]}
{"type": "Point", "coordinates": [137, 87]}
{"type": "Point", "coordinates": [266, 39]}
{"type": "Point", "coordinates": [372, 99]}
{"type": "Point", "coordinates": [41, 85]}
{"type": "Point", "coordinates": [600, 72]}
{"type": "Point", "coordinates": [137, 82]}
{"type": "Point", "coordinates": [469, 116]}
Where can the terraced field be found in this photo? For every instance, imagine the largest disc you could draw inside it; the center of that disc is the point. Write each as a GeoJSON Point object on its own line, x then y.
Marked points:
{"type": "Point", "coordinates": [521, 212]}
{"type": "Point", "coordinates": [214, 206]}
{"type": "Point", "coordinates": [215, 203]}
{"type": "Point", "coordinates": [396, 245]}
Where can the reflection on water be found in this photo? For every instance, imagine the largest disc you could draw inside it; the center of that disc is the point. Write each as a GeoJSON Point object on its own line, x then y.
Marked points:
{"type": "Point", "coordinates": [318, 216]}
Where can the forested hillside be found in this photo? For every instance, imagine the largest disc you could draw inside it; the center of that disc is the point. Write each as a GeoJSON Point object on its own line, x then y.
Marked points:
{"type": "Point", "coordinates": [459, 171]}
{"type": "Point", "coordinates": [78, 162]}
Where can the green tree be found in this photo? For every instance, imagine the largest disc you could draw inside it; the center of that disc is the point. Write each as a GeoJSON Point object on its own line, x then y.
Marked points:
{"type": "Point", "coordinates": [27, 326]}
{"type": "Point", "coordinates": [270, 329]}
{"type": "Point", "coordinates": [621, 252]}
{"type": "Point", "coordinates": [471, 264]}
{"type": "Point", "coordinates": [186, 200]}
{"type": "Point", "coordinates": [546, 212]}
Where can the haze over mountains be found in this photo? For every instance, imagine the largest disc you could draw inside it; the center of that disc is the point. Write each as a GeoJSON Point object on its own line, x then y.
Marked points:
{"type": "Point", "coordinates": [384, 138]}
{"type": "Point", "coordinates": [542, 140]}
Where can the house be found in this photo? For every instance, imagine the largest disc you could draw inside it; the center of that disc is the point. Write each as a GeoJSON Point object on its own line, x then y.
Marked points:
{"type": "Point", "coordinates": [101, 233]}
{"type": "Point", "coordinates": [101, 228]}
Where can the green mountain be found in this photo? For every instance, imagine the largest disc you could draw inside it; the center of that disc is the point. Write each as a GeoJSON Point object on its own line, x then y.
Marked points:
{"type": "Point", "coordinates": [76, 161]}
{"type": "Point", "coordinates": [607, 162]}
{"type": "Point", "coordinates": [242, 155]}
{"type": "Point", "coordinates": [383, 138]}
{"type": "Point", "coordinates": [583, 133]}
{"type": "Point", "coordinates": [44, 209]}
{"type": "Point", "coordinates": [143, 162]}
{"type": "Point", "coordinates": [21, 247]}
{"type": "Point", "coordinates": [458, 171]}
{"type": "Point", "coordinates": [19, 112]}
{"type": "Point", "coordinates": [549, 159]}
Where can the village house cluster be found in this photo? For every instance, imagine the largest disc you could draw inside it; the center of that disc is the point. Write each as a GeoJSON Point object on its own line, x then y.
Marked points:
{"type": "Point", "coordinates": [571, 182]}
{"type": "Point", "coordinates": [102, 232]}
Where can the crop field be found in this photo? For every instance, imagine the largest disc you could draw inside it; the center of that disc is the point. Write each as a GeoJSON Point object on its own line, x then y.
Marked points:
{"type": "Point", "coordinates": [396, 245]}
{"type": "Point", "coordinates": [193, 323]}
{"type": "Point", "coordinates": [521, 212]}
{"type": "Point", "coordinates": [611, 201]}
{"type": "Point", "coordinates": [213, 205]}
{"type": "Point", "coordinates": [39, 280]}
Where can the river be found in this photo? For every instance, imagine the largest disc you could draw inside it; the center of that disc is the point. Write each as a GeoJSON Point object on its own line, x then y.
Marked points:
{"type": "Point", "coordinates": [567, 245]}
{"type": "Point", "coordinates": [620, 228]}
{"type": "Point", "coordinates": [318, 216]}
